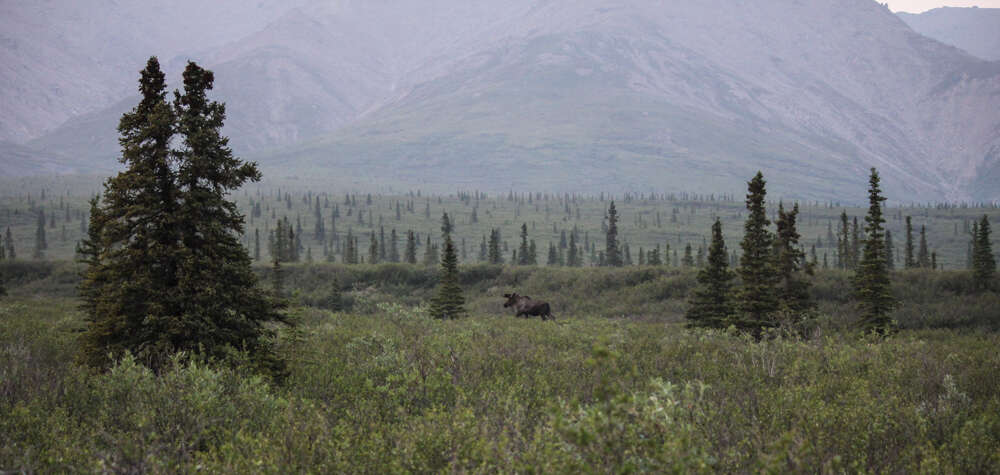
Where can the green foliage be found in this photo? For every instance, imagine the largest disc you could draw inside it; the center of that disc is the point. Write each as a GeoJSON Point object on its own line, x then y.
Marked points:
{"type": "Point", "coordinates": [710, 304]}
{"type": "Point", "coordinates": [612, 251]}
{"type": "Point", "coordinates": [910, 262]}
{"type": "Point", "coordinates": [448, 303]}
{"type": "Point", "coordinates": [790, 264]}
{"type": "Point", "coordinates": [871, 280]}
{"type": "Point", "coordinates": [165, 270]}
{"type": "Point", "coordinates": [984, 265]}
{"type": "Point", "coordinates": [757, 299]}
{"type": "Point", "coordinates": [40, 242]}
{"type": "Point", "coordinates": [398, 391]}
{"type": "Point", "coordinates": [923, 253]}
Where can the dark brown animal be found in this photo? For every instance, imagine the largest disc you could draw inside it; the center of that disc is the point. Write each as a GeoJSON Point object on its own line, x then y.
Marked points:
{"type": "Point", "coordinates": [527, 307]}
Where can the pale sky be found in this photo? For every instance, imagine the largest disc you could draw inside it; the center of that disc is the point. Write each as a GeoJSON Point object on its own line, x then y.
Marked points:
{"type": "Point", "coordinates": [919, 6]}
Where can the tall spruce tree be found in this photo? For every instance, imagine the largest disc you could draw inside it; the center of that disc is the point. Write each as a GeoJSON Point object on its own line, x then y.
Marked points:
{"type": "Point", "coordinates": [923, 253]}
{"type": "Point", "coordinates": [171, 274]}
{"type": "Point", "coordinates": [612, 251]}
{"type": "Point", "coordinates": [41, 244]}
{"type": "Point", "coordinates": [350, 248]}
{"type": "Point", "coordinates": [524, 252]}
{"type": "Point", "coordinates": [394, 245]}
{"type": "Point", "coordinates": [984, 265]}
{"type": "Point", "coordinates": [843, 242]}
{"type": "Point", "coordinates": [970, 251]}
{"type": "Point", "coordinates": [910, 262]}
{"type": "Point", "coordinates": [688, 259]}
{"type": "Point", "coordinates": [430, 253]}
{"type": "Point", "coordinates": [793, 286]}
{"type": "Point", "coordinates": [256, 244]}
{"type": "Point", "coordinates": [9, 245]}
{"type": "Point", "coordinates": [448, 302]}
{"type": "Point", "coordinates": [372, 248]}
{"type": "Point", "coordinates": [495, 253]}
{"type": "Point", "coordinates": [890, 262]}
{"type": "Point", "coordinates": [410, 256]}
{"type": "Point", "coordinates": [710, 304]}
{"type": "Point", "coordinates": [871, 281]}
{"type": "Point", "coordinates": [573, 254]}
{"type": "Point", "coordinates": [855, 243]}
{"type": "Point", "coordinates": [757, 300]}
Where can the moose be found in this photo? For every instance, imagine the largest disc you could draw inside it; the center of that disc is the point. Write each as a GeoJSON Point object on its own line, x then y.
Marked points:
{"type": "Point", "coordinates": [528, 307]}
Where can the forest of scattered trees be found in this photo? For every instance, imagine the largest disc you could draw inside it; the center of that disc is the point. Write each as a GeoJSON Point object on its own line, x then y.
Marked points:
{"type": "Point", "coordinates": [394, 358]}
{"type": "Point", "coordinates": [169, 262]}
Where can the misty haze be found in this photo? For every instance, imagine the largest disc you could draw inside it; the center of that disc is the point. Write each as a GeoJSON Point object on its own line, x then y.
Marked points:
{"type": "Point", "coordinates": [589, 236]}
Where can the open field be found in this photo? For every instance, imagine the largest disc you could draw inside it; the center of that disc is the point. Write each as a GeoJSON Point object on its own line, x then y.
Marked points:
{"type": "Point", "coordinates": [374, 385]}
{"type": "Point", "coordinates": [616, 383]}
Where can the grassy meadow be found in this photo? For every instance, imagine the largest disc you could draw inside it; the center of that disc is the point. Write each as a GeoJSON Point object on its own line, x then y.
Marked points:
{"type": "Point", "coordinates": [615, 384]}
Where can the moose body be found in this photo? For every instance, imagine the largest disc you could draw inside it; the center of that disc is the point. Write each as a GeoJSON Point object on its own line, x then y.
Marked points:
{"type": "Point", "coordinates": [528, 307]}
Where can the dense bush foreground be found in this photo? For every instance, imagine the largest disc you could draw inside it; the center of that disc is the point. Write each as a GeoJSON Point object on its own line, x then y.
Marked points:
{"type": "Point", "coordinates": [395, 391]}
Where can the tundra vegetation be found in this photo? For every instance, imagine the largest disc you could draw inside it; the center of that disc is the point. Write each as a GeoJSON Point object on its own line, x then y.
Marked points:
{"type": "Point", "coordinates": [798, 350]}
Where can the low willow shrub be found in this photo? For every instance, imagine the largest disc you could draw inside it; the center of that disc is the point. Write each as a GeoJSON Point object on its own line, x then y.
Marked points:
{"type": "Point", "coordinates": [395, 391]}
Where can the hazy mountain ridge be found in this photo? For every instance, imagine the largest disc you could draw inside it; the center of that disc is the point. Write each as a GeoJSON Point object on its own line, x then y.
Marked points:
{"type": "Point", "coordinates": [63, 58]}
{"type": "Point", "coordinates": [553, 93]}
{"type": "Point", "coordinates": [976, 30]}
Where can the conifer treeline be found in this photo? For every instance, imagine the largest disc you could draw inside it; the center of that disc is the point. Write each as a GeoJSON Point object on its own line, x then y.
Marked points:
{"type": "Point", "coordinates": [774, 273]}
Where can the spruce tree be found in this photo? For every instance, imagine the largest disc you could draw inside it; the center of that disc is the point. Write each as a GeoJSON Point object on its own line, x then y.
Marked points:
{"type": "Point", "coordinates": [688, 260]}
{"type": "Point", "coordinates": [757, 300]}
{"type": "Point", "coordinates": [373, 249]}
{"type": "Point", "coordinates": [256, 244]}
{"type": "Point", "coordinates": [983, 262]}
{"type": "Point", "coordinates": [843, 242]}
{"type": "Point", "coordinates": [350, 248]}
{"type": "Point", "coordinates": [573, 254]}
{"type": "Point", "coordinates": [889, 257]}
{"type": "Point", "coordinates": [394, 245]}
{"type": "Point", "coordinates": [710, 304]}
{"type": "Point", "coordinates": [88, 252]}
{"type": "Point", "coordinates": [430, 253]}
{"type": "Point", "coordinates": [171, 272]}
{"type": "Point", "coordinates": [855, 243]}
{"type": "Point", "coordinates": [319, 231]}
{"type": "Point", "coordinates": [871, 281]}
{"type": "Point", "coordinates": [789, 260]}
{"type": "Point", "coordinates": [970, 251]}
{"type": "Point", "coordinates": [9, 244]}
{"type": "Point", "coordinates": [382, 252]}
{"type": "Point", "coordinates": [910, 262]}
{"type": "Point", "coordinates": [612, 253]}
{"type": "Point", "coordinates": [411, 248]}
{"type": "Point", "coordinates": [40, 243]}
{"type": "Point", "coordinates": [524, 253]}
{"type": "Point", "coordinates": [923, 253]}
{"type": "Point", "coordinates": [448, 302]}
{"type": "Point", "coordinates": [495, 254]}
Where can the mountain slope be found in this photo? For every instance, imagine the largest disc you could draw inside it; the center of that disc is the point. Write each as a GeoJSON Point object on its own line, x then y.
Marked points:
{"type": "Point", "coordinates": [63, 58]}
{"type": "Point", "coordinates": [645, 94]}
{"type": "Point", "coordinates": [605, 94]}
{"type": "Point", "coordinates": [976, 30]}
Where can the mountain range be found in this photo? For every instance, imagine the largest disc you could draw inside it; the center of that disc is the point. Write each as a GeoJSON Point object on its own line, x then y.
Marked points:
{"type": "Point", "coordinates": [599, 95]}
{"type": "Point", "coordinates": [975, 30]}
